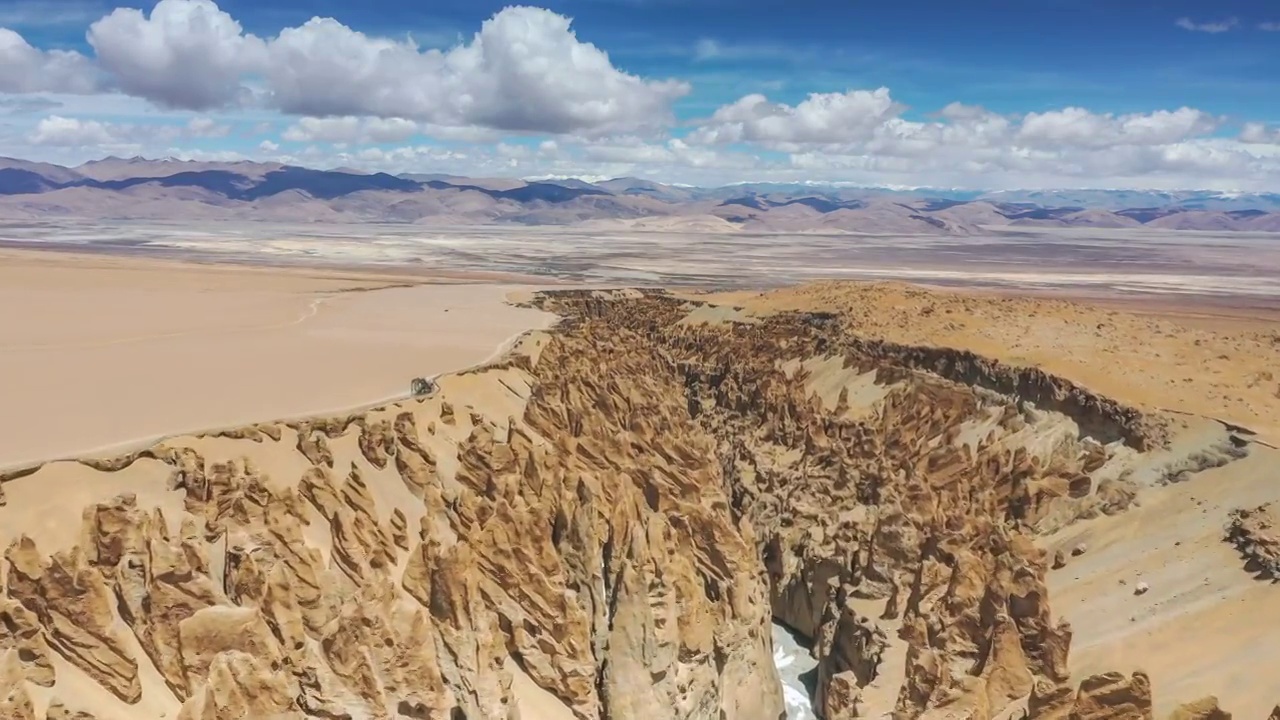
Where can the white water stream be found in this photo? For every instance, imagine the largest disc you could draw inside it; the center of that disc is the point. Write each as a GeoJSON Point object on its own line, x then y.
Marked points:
{"type": "Point", "coordinates": [798, 670]}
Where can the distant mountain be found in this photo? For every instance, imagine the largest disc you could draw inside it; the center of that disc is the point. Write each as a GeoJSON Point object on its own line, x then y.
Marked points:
{"type": "Point", "coordinates": [169, 189]}
{"type": "Point", "coordinates": [19, 181]}
{"type": "Point", "coordinates": [648, 188]}
{"type": "Point", "coordinates": [114, 168]}
{"type": "Point", "coordinates": [572, 183]}
{"type": "Point", "coordinates": [1125, 199]}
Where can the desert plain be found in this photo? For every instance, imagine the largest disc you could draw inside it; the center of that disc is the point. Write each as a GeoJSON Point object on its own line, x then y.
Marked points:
{"type": "Point", "coordinates": [121, 351]}
{"type": "Point", "coordinates": [621, 501]}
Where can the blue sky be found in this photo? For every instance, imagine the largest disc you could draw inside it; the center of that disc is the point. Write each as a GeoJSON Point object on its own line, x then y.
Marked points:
{"type": "Point", "coordinates": [1122, 61]}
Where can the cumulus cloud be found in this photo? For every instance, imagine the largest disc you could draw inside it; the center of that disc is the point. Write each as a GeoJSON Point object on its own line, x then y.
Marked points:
{"type": "Point", "coordinates": [1213, 27]}
{"type": "Point", "coordinates": [1256, 133]}
{"type": "Point", "coordinates": [820, 118]}
{"type": "Point", "coordinates": [346, 96]}
{"type": "Point", "coordinates": [636, 152]}
{"type": "Point", "coordinates": [1075, 126]}
{"type": "Point", "coordinates": [871, 120]}
{"type": "Point", "coordinates": [63, 131]}
{"type": "Point", "coordinates": [28, 70]}
{"type": "Point", "coordinates": [864, 134]}
{"type": "Point", "coordinates": [187, 54]}
{"type": "Point", "coordinates": [861, 119]}
{"type": "Point", "coordinates": [524, 71]}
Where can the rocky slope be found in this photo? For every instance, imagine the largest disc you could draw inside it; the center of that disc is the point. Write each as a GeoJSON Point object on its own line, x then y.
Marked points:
{"type": "Point", "coordinates": [1254, 533]}
{"type": "Point", "coordinates": [602, 526]}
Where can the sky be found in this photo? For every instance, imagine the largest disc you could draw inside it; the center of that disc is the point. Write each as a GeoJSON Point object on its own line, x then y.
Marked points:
{"type": "Point", "coordinates": [995, 94]}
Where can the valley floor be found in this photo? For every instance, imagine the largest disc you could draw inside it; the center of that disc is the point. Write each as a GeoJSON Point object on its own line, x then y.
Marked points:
{"type": "Point", "coordinates": [1200, 267]}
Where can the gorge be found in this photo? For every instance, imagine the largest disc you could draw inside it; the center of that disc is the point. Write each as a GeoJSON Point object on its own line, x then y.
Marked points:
{"type": "Point", "coordinates": [605, 524]}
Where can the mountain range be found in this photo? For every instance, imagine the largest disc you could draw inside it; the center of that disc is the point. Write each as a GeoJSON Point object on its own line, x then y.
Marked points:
{"type": "Point", "coordinates": [142, 189]}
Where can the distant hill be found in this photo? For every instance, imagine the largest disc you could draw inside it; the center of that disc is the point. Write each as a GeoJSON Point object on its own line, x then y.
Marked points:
{"type": "Point", "coordinates": [169, 189]}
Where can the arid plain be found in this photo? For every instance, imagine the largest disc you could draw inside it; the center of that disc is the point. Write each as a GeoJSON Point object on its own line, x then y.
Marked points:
{"type": "Point", "coordinates": [676, 252]}
{"type": "Point", "coordinates": [117, 351]}
{"type": "Point", "coordinates": [205, 373]}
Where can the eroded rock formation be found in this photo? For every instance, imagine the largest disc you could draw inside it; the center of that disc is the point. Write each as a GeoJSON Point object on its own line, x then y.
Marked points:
{"type": "Point", "coordinates": [617, 523]}
{"type": "Point", "coordinates": [1255, 533]}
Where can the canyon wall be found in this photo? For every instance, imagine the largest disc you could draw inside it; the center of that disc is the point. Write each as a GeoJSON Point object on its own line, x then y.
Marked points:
{"type": "Point", "coordinates": [603, 526]}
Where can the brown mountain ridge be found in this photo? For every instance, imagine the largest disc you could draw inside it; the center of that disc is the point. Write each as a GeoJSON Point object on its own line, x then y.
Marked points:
{"type": "Point", "coordinates": [141, 189]}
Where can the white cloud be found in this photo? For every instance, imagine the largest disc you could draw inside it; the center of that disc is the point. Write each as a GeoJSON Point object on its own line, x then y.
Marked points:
{"type": "Point", "coordinates": [1075, 126]}
{"type": "Point", "coordinates": [870, 121]}
{"type": "Point", "coordinates": [862, 136]}
{"type": "Point", "coordinates": [347, 96]}
{"type": "Point", "coordinates": [366, 130]}
{"type": "Point", "coordinates": [1256, 133]}
{"type": "Point", "coordinates": [24, 69]}
{"type": "Point", "coordinates": [948, 153]}
{"type": "Point", "coordinates": [820, 118]}
{"type": "Point", "coordinates": [524, 71]}
{"type": "Point", "coordinates": [1269, 26]}
{"type": "Point", "coordinates": [508, 150]}
{"type": "Point", "coordinates": [674, 153]}
{"type": "Point", "coordinates": [89, 133]}
{"type": "Point", "coordinates": [630, 153]}
{"type": "Point", "coordinates": [350, 129]}
{"type": "Point", "coordinates": [187, 54]}
{"type": "Point", "coordinates": [63, 131]}
{"type": "Point", "coordinates": [1214, 27]}
{"type": "Point", "coordinates": [206, 127]}
{"type": "Point", "coordinates": [401, 159]}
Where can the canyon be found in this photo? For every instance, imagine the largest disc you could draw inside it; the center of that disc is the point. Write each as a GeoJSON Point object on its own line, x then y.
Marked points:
{"type": "Point", "coordinates": [611, 521]}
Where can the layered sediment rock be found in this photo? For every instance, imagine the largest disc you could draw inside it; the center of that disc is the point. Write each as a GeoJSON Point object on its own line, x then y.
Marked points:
{"type": "Point", "coordinates": [618, 522]}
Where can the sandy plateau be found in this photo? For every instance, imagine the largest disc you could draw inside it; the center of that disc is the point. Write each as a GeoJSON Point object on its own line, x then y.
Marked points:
{"type": "Point", "coordinates": [1157, 352]}
{"type": "Point", "coordinates": [959, 505]}
{"type": "Point", "coordinates": [121, 351]}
